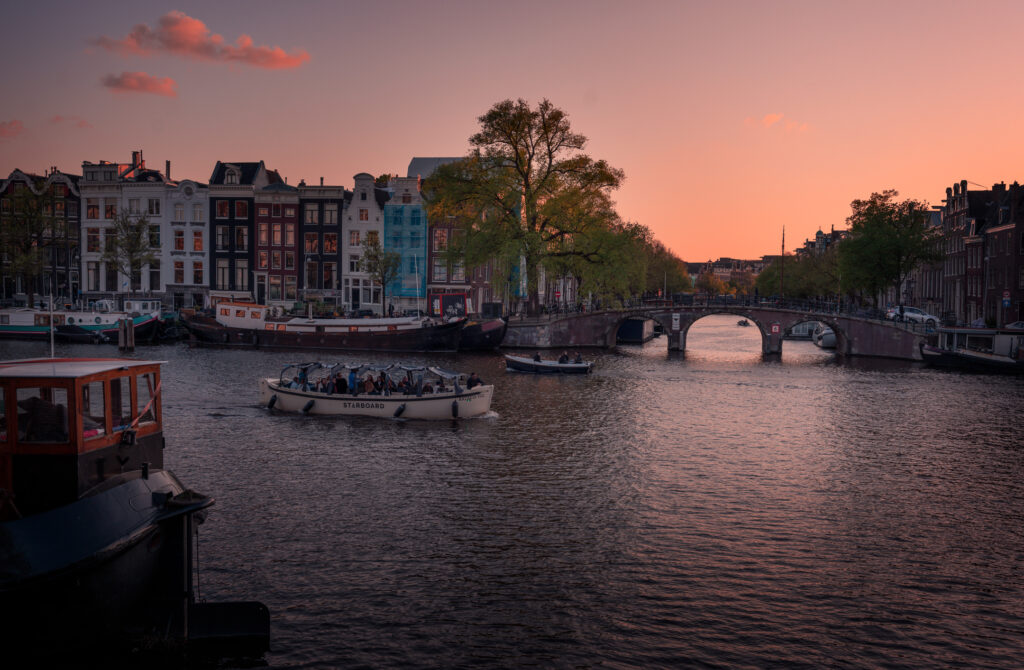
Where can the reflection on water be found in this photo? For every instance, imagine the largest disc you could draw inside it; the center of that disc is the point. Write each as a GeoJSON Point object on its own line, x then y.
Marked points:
{"type": "Point", "coordinates": [710, 508]}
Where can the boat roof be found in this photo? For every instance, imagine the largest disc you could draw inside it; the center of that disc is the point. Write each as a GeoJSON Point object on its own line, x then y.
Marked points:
{"type": "Point", "coordinates": [65, 368]}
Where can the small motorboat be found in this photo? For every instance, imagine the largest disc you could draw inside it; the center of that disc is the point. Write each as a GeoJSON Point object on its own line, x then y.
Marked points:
{"type": "Point", "coordinates": [742, 322]}
{"type": "Point", "coordinates": [76, 334]}
{"type": "Point", "coordinates": [386, 391]}
{"type": "Point", "coordinates": [542, 366]}
{"type": "Point", "coordinates": [824, 337]}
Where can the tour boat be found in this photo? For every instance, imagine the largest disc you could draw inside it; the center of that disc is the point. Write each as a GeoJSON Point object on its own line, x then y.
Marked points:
{"type": "Point", "coordinates": [978, 349]}
{"type": "Point", "coordinates": [96, 537]}
{"type": "Point", "coordinates": [419, 393]}
{"type": "Point", "coordinates": [240, 324]}
{"type": "Point", "coordinates": [99, 324]}
{"type": "Point", "coordinates": [527, 364]}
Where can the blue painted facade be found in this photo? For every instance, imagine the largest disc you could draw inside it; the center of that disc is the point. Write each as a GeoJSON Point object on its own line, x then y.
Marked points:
{"type": "Point", "coordinates": [405, 232]}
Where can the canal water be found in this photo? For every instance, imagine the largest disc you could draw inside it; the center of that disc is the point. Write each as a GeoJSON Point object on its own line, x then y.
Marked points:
{"type": "Point", "coordinates": [707, 510]}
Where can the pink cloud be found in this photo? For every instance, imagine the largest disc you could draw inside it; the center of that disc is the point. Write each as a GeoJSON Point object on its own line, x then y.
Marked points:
{"type": "Point", "coordinates": [770, 119]}
{"type": "Point", "coordinates": [140, 82]}
{"type": "Point", "coordinates": [78, 121]}
{"type": "Point", "coordinates": [180, 34]}
{"type": "Point", "coordinates": [11, 128]}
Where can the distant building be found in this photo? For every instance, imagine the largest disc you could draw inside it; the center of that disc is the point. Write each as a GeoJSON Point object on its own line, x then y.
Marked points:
{"type": "Point", "coordinates": [277, 247]}
{"type": "Point", "coordinates": [405, 233]}
{"type": "Point", "coordinates": [321, 211]}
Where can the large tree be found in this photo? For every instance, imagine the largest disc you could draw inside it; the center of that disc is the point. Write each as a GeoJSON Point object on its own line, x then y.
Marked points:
{"type": "Point", "coordinates": [888, 240]}
{"type": "Point", "coordinates": [128, 246]}
{"type": "Point", "coordinates": [526, 195]}
{"type": "Point", "coordinates": [24, 235]}
{"type": "Point", "coordinates": [382, 266]}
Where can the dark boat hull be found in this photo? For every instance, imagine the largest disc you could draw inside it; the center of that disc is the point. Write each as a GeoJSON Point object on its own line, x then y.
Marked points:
{"type": "Point", "coordinates": [483, 335]}
{"type": "Point", "coordinates": [945, 358]}
{"type": "Point", "coordinates": [440, 338]}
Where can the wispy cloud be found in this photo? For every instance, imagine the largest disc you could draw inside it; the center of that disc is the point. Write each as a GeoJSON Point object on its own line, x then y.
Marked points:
{"type": "Point", "coordinates": [769, 120]}
{"type": "Point", "coordinates": [182, 35]}
{"type": "Point", "coordinates": [77, 121]}
{"type": "Point", "coordinates": [11, 128]}
{"type": "Point", "coordinates": [140, 82]}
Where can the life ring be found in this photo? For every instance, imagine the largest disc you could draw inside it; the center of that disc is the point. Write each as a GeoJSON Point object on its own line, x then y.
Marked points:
{"type": "Point", "coordinates": [97, 320]}
{"type": "Point", "coordinates": [71, 320]}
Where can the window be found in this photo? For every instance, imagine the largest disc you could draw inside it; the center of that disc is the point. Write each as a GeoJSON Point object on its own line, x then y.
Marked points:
{"type": "Point", "coordinates": [73, 209]}
{"type": "Point", "coordinates": [312, 213]}
{"type": "Point", "coordinates": [58, 210]}
{"type": "Point", "coordinates": [154, 236]}
{"type": "Point", "coordinates": [109, 208]}
{"type": "Point", "coordinates": [263, 211]}
{"type": "Point", "coordinates": [145, 391]}
{"type": "Point", "coordinates": [5, 206]}
{"type": "Point", "coordinates": [353, 263]}
{"type": "Point", "coordinates": [311, 274]}
{"type": "Point", "coordinates": [263, 230]}
{"type": "Point", "coordinates": [330, 275]}
{"type": "Point", "coordinates": [353, 238]}
{"type": "Point", "coordinates": [277, 234]}
{"type": "Point", "coordinates": [93, 410]}
{"type": "Point", "coordinates": [179, 212]}
{"type": "Point", "coordinates": [290, 288]}
{"type": "Point", "coordinates": [289, 211]}
{"type": "Point", "coordinates": [133, 206]}
{"type": "Point", "coordinates": [277, 260]}
{"type": "Point", "coordinates": [197, 212]}
{"type": "Point", "coordinates": [289, 234]}
{"type": "Point", "coordinates": [414, 217]}
{"type": "Point", "coordinates": [242, 274]}
{"type": "Point", "coordinates": [92, 208]}
{"type": "Point", "coordinates": [289, 260]}
{"type": "Point", "coordinates": [440, 239]}
{"type": "Point", "coordinates": [231, 177]}
{"type": "Point", "coordinates": [406, 198]}
{"type": "Point", "coordinates": [223, 209]}
{"type": "Point", "coordinates": [364, 214]}
{"type": "Point", "coordinates": [241, 238]}
{"type": "Point", "coordinates": [197, 272]}
{"type": "Point", "coordinates": [331, 213]}
{"type": "Point", "coordinates": [179, 241]}
{"type": "Point", "coordinates": [330, 243]}
{"type": "Point", "coordinates": [223, 274]}
{"type": "Point", "coordinates": [311, 243]}
{"type": "Point", "coordinates": [92, 276]}
{"type": "Point", "coordinates": [154, 207]}
{"type": "Point", "coordinates": [197, 240]}
{"type": "Point", "coordinates": [109, 241]}
{"type": "Point", "coordinates": [223, 240]}
{"type": "Point", "coordinates": [262, 260]}
{"type": "Point", "coordinates": [154, 276]}
{"type": "Point", "coordinates": [362, 196]}
{"type": "Point", "coordinates": [277, 210]}
{"type": "Point", "coordinates": [440, 270]}
{"type": "Point", "coordinates": [179, 272]}
{"type": "Point", "coordinates": [92, 239]}
{"type": "Point", "coordinates": [372, 237]}
{"type": "Point", "coordinates": [458, 272]}
{"type": "Point", "coordinates": [241, 209]}
{"type": "Point", "coordinates": [274, 292]}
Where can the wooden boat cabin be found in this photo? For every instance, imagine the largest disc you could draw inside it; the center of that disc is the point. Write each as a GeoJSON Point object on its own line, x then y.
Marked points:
{"type": "Point", "coordinates": [68, 426]}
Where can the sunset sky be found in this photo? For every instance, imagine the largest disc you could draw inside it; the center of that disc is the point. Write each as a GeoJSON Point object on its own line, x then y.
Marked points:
{"type": "Point", "coordinates": [730, 119]}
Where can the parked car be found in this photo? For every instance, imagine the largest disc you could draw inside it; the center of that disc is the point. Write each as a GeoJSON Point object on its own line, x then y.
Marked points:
{"type": "Point", "coordinates": [913, 315]}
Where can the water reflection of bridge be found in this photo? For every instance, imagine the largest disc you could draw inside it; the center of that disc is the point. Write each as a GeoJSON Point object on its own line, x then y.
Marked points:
{"type": "Point", "coordinates": [855, 335]}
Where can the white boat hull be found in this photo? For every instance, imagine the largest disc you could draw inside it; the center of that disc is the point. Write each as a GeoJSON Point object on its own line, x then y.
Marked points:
{"type": "Point", "coordinates": [434, 406]}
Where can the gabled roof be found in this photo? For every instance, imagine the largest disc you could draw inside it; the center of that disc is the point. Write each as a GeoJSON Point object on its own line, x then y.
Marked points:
{"type": "Point", "coordinates": [247, 172]}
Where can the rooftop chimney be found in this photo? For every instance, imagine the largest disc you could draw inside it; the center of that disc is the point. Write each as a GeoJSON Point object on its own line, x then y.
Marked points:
{"type": "Point", "coordinates": [167, 170]}
{"type": "Point", "coordinates": [321, 181]}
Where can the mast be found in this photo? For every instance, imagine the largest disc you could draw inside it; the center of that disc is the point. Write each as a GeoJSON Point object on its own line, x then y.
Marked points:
{"type": "Point", "coordinates": [782, 265]}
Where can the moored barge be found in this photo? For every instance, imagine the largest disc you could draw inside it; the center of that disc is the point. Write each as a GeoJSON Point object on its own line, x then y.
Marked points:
{"type": "Point", "coordinates": [247, 325]}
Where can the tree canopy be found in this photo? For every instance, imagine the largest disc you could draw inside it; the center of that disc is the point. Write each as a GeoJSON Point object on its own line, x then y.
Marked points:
{"type": "Point", "coordinates": [128, 246]}
{"type": "Point", "coordinates": [24, 236]}
{"type": "Point", "coordinates": [528, 196]}
{"type": "Point", "coordinates": [382, 266]}
{"type": "Point", "coordinates": [888, 240]}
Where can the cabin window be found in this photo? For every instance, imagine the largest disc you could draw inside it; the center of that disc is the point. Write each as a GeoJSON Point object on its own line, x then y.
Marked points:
{"type": "Point", "coordinates": [224, 311]}
{"type": "Point", "coordinates": [121, 402]}
{"type": "Point", "coordinates": [254, 315]}
{"type": "Point", "coordinates": [93, 410]}
{"type": "Point", "coordinates": [240, 313]}
{"type": "Point", "coordinates": [145, 390]}
{"type": "Point", "coordinates": [42, 414]}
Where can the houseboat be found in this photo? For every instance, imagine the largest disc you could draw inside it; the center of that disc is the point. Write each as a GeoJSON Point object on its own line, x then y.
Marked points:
{"type": "Point", "coordinates": [482, 334]}
{"type": "Point", "coordinates": [96, 537]}
{"type": "Point", "coordinates": [241, 324]}
{"type": "Point", "coordinates": [978, 349]}
{"type": "Point", "coordinates": [99, 323]}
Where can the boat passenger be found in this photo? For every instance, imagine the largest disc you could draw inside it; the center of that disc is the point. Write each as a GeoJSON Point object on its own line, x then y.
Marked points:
{"type": "Point", "coordinates": [536, 357]}
{"type": "Point", "coordinates": [473, 381]}
{"type": "Point", "coordinates": [440, 386]}
{"type": "Point", "coordinates": [294, 384]}
{"type": "Point", "coordinates": [564, 358]}
{"type": "Point", "coordinates": [368, 385]}
{"type": "Point", "coordinates": [352, 382]}
{"type": "Point", "coordinates": [428, 388]}
{"type": "Point", "coordinates": [578, 359]}
{"type": "Point", "coordinates": [340, 385]}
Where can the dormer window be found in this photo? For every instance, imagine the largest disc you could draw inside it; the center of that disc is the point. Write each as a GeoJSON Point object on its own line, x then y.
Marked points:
{"type": "Point", "coordinates": [362, 196]}
{"type": "Point", "coordinates": [231, 177]}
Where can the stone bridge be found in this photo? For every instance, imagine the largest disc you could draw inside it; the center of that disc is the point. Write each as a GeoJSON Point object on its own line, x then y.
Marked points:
{"type": "Point", "coordinates": [855, 336]}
